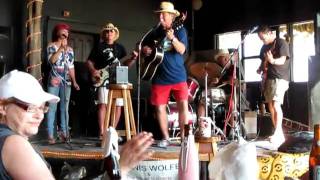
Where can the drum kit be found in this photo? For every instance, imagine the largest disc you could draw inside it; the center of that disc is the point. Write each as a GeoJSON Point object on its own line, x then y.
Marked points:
{"type": "Point", "coordinates": [201, 73]}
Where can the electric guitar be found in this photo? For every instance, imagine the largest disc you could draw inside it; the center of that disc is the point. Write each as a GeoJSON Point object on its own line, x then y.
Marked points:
{"type": "Point", "coordinates": [150, 63]}
{"type": "Point", "coordinates": [265, 66]}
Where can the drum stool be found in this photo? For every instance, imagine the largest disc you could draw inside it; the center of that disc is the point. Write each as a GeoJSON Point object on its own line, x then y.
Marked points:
{"type": "Point", "coordinates": [120, 91]}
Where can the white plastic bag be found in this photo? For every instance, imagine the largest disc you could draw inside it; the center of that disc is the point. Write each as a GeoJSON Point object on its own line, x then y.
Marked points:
{"type": "Point", "coordinates": [235, 161]}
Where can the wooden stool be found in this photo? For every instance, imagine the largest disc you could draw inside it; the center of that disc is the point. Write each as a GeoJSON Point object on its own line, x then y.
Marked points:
{"type": "Point", "coordinates": [120, 91]}
{"type": "Point", "coordinates": [207, 147]}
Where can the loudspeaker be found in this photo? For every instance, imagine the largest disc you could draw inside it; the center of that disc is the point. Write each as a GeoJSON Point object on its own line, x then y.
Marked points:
{"type": "Point", "coordinates": [265, 126]}
{"type": "Point", "coordinates": [250, 123]}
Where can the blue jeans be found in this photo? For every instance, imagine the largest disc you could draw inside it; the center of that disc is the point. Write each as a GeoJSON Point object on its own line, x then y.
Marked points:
{"type": "Point", "coordinates": [64, 94]}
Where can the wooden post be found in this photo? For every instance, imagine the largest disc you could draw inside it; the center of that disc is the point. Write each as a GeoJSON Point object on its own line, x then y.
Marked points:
{"type": "Point", "coordinates": [33, 39]}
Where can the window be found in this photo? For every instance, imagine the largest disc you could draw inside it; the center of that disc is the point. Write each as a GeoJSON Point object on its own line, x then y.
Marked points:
{"type": "Point", "coordinates": [302, 41]}
{"type": "Point", "coordinates": [303, 48]}
{"type": "Point", "coordinates": [251, 65]}
{"type": "Point", "coordinates": [252, 45]}
{"type": "Point", "coordinates": [229, 40]}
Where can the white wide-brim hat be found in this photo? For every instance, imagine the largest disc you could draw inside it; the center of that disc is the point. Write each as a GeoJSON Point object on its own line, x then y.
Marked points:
{"type": "Point", "coordinates": [110, 26]}
{"type": "Point", "coordinates": [167, 7]}
{"type": "Point", "coordinates": [221, 52]}
{"type": "Point", "coordinates": [24, 87]}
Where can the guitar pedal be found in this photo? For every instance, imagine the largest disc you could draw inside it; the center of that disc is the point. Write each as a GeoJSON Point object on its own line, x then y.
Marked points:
{"type": "Point", "coordinates": [118, 75]}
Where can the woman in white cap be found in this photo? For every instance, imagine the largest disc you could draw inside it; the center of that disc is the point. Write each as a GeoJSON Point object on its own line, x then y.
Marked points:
{"type": "Point", "coordinates": [101, 57]}
{"type": "Point", "coordinates": [22, 108]}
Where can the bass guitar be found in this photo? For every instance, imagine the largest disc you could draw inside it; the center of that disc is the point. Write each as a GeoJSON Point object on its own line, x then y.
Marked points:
{"type": "Point", "coordinates": [150, 63]}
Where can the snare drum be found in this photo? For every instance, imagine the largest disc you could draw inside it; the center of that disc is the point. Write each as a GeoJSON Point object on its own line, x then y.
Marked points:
{"type": "Point", "coordinates": [215, 95]}
{"type": "Point", "coordinates": [173, 115]}
{"type": "Point", "coordinates": [193, 87]}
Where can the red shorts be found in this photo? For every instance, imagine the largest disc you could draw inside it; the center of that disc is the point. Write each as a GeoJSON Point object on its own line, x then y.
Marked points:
{"type": "Point", "coordinates": [160, 93]}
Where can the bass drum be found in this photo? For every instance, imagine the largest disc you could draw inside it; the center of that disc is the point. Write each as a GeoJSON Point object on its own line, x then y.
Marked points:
{"type": "Point", "coordinates": [193, 88]}
{"type": "Point", "coordinates": [173, 116]}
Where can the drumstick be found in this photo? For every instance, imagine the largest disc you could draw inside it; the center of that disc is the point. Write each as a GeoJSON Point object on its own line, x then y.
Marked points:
{"type": "Point", "coordinates": [223, 84]}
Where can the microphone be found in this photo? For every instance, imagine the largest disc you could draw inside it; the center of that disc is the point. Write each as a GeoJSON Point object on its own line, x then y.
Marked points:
{"type": "Point", "coordinates": [63, 35]}
{"type": "Point", "coordinates": [253, 29]}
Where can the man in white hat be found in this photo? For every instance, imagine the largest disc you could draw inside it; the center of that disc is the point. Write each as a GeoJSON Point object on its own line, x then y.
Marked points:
{"type": "Point", "coordinates": [101, 57]}
{"type": "Point", "coordinates": [170, 75]}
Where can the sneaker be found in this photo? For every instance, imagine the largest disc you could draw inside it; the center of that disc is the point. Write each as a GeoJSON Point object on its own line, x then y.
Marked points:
{"type": "Point", "coordinates": [163, 143]}
{"type": "Point", "coordinates": [120, 139]}
{"type": "Point", "coordinates": [277, 139]}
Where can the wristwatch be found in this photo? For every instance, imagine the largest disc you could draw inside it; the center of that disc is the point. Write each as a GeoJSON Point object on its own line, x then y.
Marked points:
{"type": "Point", "coordinates": [173, 39]}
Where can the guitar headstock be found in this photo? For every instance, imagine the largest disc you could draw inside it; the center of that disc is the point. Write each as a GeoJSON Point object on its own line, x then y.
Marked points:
{"type": "Point", "coordinates": [178, 22]}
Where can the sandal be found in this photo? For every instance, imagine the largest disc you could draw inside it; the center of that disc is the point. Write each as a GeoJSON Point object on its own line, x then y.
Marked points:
{"type": "Point", "coordinates": [51, 141]}
{"type": "Point", "coordinates": [101, 137]}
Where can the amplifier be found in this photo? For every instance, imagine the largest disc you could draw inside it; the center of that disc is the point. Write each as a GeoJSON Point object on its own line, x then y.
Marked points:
{"type": "Point", "coordinates": [118, 75]}
{"type": "Point", "coordinates": [250, 123]}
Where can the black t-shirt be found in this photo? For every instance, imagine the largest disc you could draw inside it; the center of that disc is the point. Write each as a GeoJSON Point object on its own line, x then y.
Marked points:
{"type": "Point", "coordinates": [104, 54]}
{"type": "Point", "coordinates": [279, 47]}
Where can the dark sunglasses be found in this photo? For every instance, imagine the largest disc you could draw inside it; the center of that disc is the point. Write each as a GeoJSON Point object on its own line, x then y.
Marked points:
{"type": "Point", "coordinates": [111, 30]}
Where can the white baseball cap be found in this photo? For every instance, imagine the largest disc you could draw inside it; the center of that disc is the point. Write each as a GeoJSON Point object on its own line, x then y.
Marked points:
{"type": "Point", "coordinates": [24, 87]}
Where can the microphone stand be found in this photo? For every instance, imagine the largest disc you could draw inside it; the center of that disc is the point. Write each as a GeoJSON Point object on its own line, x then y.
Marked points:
{"type": "Point", "coordinates": [235, 114]}
{"type": "Point", "coordinates": [64, 97]}
{"type": "Point", "coordinates": [139, 73]}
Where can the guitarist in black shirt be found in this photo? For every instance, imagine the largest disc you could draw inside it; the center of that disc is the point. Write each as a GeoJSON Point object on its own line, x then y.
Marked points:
{"type": "Point", "coordinates": [101, 57]}
{"type": "Point", "coordinates": [275, 55]}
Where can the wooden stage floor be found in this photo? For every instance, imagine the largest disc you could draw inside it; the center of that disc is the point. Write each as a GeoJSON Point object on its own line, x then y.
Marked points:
{"type": "Point", "coordinates": [86, 152]}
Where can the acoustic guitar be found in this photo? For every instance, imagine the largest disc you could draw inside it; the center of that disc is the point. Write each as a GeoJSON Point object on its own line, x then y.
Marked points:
{"type": "Point", "coordinates": [150, 63]}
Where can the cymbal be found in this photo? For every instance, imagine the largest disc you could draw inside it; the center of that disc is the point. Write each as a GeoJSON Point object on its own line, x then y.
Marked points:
{"type": "Point", "coordinates": [199, 70]}
{"type": "Point", "coordinates": [201, 56]}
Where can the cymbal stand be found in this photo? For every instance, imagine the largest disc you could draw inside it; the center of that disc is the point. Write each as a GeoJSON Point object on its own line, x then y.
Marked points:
{"type": "Point", "coordinates": [206, 90]}
{"type": "Point", "coordinates": [216, 130]}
